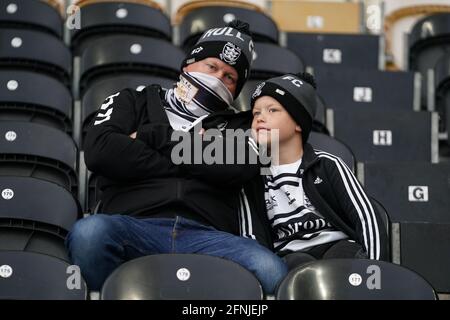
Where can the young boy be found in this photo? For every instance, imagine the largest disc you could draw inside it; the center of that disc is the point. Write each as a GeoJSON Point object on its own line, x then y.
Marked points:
{"type": "Point", "coordinates": [314, 205]}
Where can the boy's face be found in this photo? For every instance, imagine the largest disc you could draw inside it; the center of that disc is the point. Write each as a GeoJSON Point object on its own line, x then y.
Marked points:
{"type": "Point", "coordinates": [216, 68]}
{"type": "Point", "coordinates": [268, 115]}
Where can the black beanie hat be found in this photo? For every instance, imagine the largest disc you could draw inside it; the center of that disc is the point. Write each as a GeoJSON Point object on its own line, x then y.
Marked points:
{"type": "Point", "coordinates": [232, 44]}
{"type": "Point", "coordinates": [296, 93]}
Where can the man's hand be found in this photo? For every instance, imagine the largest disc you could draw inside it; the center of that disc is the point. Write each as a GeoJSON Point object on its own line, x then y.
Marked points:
{"type": "Point", "coordinates": [133, 135]}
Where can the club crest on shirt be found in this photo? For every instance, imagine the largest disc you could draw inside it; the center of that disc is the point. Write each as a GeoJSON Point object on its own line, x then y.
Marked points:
{"type": "Point", "coordinates": [271, 203]}
{"type": "Point", "coordinates": [288, 195]}
{"type": "Point", "coordinates": [230, 53]}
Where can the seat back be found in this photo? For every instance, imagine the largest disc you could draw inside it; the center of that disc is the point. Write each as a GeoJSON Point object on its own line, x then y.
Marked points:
{"type": "Point", "coordinates": [354, 279]}
{"type": "Point", "coordinates": [364, 89]}
{"type": "Point", "coordinates": [119, 17]}
{"type": "Point", "coordinates": [32, 50]}
{"type": "Point", "coordinates": [378, 135]}
{"type": "Point", "coordinates": [331, 145]}
{"type": "Point", "coordinates": [33, 276]}
{"type": "Point", "coordinates": [423, 247]}
{"type": "Point", "coordinates": [32, 97]}
{"type": "Point", "coordinates": [411, 192]}
{"type": "Point", "coordinates": [129, 55]}
{"type": "Point", "coordinates": [39, 151]}
{"type": "Point", "coordinates": [329, 50]}
{"type": "Point", "coordinates": [194, 19]}
{"type": "Point", "coordinates": [33, 15]}
{"type": "Point", "coordinates": [428, 41]}
{"type": "Point", "coordinates": [181, 276]}
{"type": "Point", "coordinates": [265, 66]}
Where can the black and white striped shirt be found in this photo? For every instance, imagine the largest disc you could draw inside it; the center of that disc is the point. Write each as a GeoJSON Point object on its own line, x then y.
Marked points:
{"type": "Point", "coordinates": [295, 222]}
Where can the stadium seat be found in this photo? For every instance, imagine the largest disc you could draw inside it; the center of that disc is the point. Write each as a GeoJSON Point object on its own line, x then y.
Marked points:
{"type": "Point", "coordinates": [354, 279]}
{"type": "Point", "coordinates": [195, 17]}
{"type": "Point", "coordinates": [131, 56]}
{"type": "Point", "coordinates": [39, 151]}
{"type": "Point", "coordinates": [35, 215]}
{"type": "Point", "coordinates": [33, 97]}
{"type": "Point", "coordinates": [101, 18]}
{"type": "Point", "coordinates": [442, 91]}
{"type": "Point", "coordinates": [343, 88]}
{"type": "Point", "coordinates": [32, 15]}
{"type": "Point", "coordinates": [331, 145]}
{"type": "Point", "coordinates": [271, 60]}
{"type": "Point", "coordinates": [377, 135]}
{"type": "Point", "coordinates": [428, 40]}
{"type": "Point", "coordinates": [424, 247]}
{"type": "Point", "coordinates": [346, 50]}
{"type": "Point", "coordinates": [318, 16]}
{"type": "Point", "coordinates": [411, 192]}
{"type": "Point", "coordinates": [181, 277]}
{"type": "Point", "coordinates": [35, 51]}
{"type": "Point", "coordinates": [34, 276]}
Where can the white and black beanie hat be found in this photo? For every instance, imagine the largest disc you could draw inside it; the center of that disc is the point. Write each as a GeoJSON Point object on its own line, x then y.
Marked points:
{"type": "Point", "coordinates": [296, 93]}
{"type": "Point", "coordinates": [232, 44]}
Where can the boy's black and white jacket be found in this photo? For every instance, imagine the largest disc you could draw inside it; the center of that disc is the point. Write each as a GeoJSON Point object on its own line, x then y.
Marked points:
{"type": "Point", "coordinates": [334, 191]}
{"type": "Point", "coordinates": [137, 176]}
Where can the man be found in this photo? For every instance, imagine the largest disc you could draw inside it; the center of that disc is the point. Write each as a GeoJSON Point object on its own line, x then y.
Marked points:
{"type": "Point", "coordinates": [149, 204]}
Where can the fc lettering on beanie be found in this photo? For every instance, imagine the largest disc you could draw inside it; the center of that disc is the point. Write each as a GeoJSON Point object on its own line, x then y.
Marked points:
{"type": "Point", "coordinates": [232, 44]}
{"type": "Point", "coordinates": [296, 93]}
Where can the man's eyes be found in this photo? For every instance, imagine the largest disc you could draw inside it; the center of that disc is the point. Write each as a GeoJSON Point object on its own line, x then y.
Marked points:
{"type": "Point", "coordinates": [231, 78]}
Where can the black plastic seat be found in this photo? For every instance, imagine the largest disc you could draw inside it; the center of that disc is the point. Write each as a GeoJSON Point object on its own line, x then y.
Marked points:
{"type": "Point", "coordinates": [32, 15]}
{"type": "Point", "coordinates": [34, 276]}
{"type": "Point", "coordinates": [323, 142]}
{"type": "Point", "coordinates": [35, 51]}
{"type": "Point", "coordinates": [442, 91]}
{"type": "Point", "coordinates": [423, 247]}
{"type": "Point", "coordinates": [35, 215]}
{"type": "Point", "coordinates": [33, 97]}
{"type": "Point", "coordinates": [131, 56]}
{"type": "Point", "coordinates": [39, 151]}
{"type": "Point", "coordinates": [354, 279]}
{"type": "Point", "coordinates": [396, 135]}
{"type": "Point", "coordinates": [200, 19]}
{"type": "Point", "coordinates": [411, 192]}
{"type": "Point", "coordinates": [271, 60]}
{"type": "Point", "coordinates": [428, 40]}
{"type": "Point", "coordinates": [327, 50]}
{"type": "Point", "coordinates": [343, 88]}
{"type": "Point", "coordinates": [181, 277]}
{"type": "Point", "coordinates": [100, 19]}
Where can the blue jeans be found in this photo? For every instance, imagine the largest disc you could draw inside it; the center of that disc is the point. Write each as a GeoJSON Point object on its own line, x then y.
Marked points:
{"type": "Point", "coordinates": [100, 243]}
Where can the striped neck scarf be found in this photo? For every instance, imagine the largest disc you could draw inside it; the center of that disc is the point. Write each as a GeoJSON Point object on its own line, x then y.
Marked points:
{"type": "Point", "coordinates": [197, 94]}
